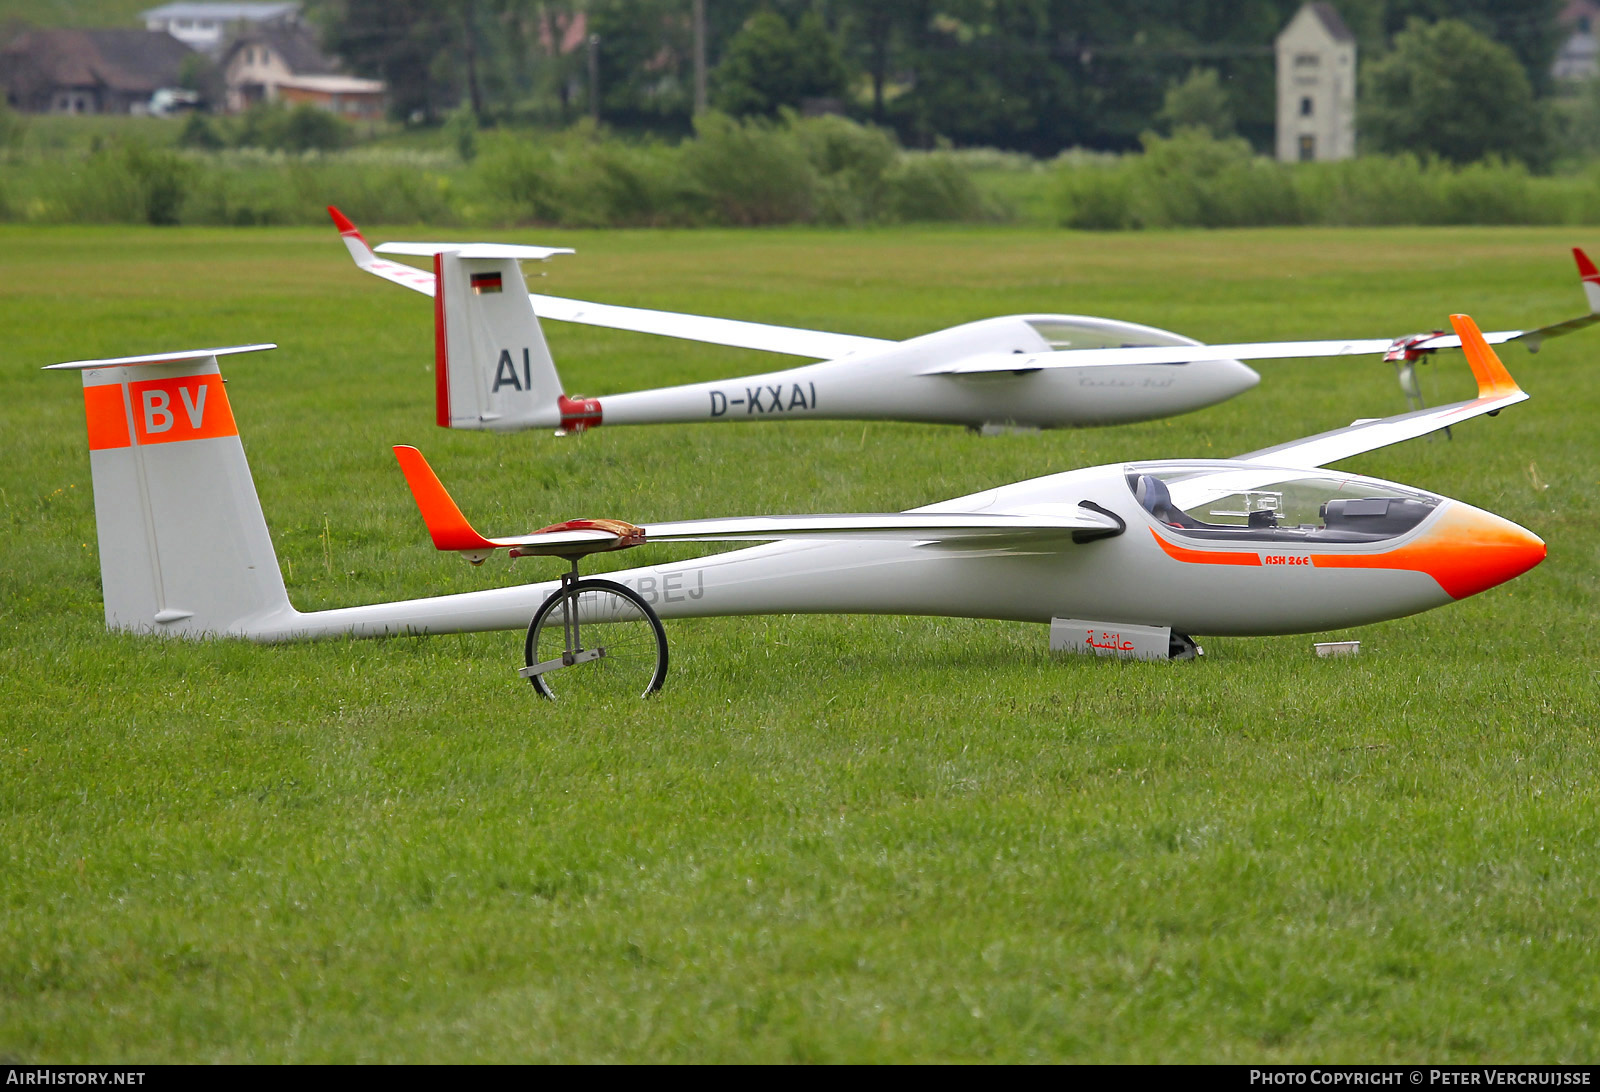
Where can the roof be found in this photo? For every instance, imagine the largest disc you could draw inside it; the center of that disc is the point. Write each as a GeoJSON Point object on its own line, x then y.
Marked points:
{"type": "Point", "coordinates": [296, 44]}
{"type": "Point", "coordinates": [1331, 22]}
{"type": "Point", "coordinates": [222, 13]}
{"type": "Point", "coordinates": [129, 61]}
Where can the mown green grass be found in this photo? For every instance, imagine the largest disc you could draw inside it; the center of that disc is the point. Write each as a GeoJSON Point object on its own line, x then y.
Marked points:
{"type": "Point", "coordinates": [828, 839]}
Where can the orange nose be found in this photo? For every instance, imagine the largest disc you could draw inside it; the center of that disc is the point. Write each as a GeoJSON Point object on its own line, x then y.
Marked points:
{"type": "Point", "coordinates": [1467, 551]}
{"type": "Point", "coordinates": [1470, 550]}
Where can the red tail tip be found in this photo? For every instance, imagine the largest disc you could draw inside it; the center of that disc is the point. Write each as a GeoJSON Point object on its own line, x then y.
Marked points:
{"type": "Point", "coordinates": [1586, 268]}
{"type": "Point", "coordinates": [342, 222]}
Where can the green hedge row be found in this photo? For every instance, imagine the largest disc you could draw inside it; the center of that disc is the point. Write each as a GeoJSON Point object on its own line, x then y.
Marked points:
{"type": "Point", "coordinates": [808, 171]}
{"type": "Point", "coordinates": [819, 170]}
{"type": "Point", "coordinates": [1193, 180]}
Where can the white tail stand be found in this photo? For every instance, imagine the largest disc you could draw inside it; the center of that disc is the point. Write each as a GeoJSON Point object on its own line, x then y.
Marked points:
{"type": "Point", "coordinates": [1121, 640]}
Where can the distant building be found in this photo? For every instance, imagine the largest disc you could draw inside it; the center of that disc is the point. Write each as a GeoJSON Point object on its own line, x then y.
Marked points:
{"type": "Point", "coordinates": [91, 71]}
{"type": "Point", "coordinates": [1579, 56]}
{"type": "Point", "coordinates": [208, 27]}
{"type": "Point", "coordinates": [1316, 87]}
{"type": "Point", "coordinates": [283, 62]}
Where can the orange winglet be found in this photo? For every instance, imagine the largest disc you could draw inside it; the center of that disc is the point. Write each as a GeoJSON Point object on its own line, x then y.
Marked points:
{"type": "Point", "coordinates": [449, 528]}
{"type": "Point", "coordinates": [1493, 379]}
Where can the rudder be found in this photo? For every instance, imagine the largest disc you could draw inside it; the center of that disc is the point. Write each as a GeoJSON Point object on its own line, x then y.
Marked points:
{"type": "Point", "coordinates": [493, 369]}
{"type": "Point", "coordinates": [184, 547]}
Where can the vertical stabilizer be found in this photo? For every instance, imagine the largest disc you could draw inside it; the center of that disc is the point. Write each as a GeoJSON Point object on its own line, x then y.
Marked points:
{"type": "Point", "coordinates": [184, 547]}
{"type": "Point", "coordinates": [494, 368]}
{"type": "Point", "coordinates": [1590, 277]}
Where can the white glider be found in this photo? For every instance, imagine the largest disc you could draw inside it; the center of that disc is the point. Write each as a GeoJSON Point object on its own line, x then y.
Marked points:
{"type": "Point", "coordinates": [494, 371]}
{"type": "Point", "coordinates": [1130, 558]}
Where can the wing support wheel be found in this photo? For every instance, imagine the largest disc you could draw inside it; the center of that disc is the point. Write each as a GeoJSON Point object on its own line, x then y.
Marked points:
{"type": "Point", "coordinates": [626, 650]}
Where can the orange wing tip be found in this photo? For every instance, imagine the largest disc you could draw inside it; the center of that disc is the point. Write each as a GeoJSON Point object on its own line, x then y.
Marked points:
{"type": "Point", "coordinates": [448, 527]}
{"type": "Point", "coordinates": [1586, 268]}
{"type": "Point", "coordinates": [1493, 379]}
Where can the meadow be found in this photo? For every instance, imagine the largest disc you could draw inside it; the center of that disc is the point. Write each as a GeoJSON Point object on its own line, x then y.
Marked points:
{"type": "Point", "coordinates": [829, 839]}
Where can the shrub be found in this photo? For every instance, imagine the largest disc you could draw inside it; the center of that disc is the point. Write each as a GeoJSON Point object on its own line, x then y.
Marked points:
{"type": "Point", "coordinates": [932, 186]}
{"type": "Point", "coordinates": [200, 132]}
{"type": "Point", "coordinates": [751, 172]}
{"type": "Point", "coordinates": [304, 128]}
{"type": "Point", "coordinates": [853, 163]}
{"type": "Point", "coordinates": [1096, 197]}
{"type": "Point", "coordinates": [128, 183]}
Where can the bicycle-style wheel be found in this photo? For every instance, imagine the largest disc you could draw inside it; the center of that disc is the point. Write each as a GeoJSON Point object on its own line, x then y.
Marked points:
{"type": "Point", "coordinates": [595, 640]}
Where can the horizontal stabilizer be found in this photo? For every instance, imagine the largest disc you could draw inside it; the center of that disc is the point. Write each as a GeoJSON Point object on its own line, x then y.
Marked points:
{"type": "Point", "coordinates": [476, 250]}
{"type": "Point", "coordinates": [157, 358]}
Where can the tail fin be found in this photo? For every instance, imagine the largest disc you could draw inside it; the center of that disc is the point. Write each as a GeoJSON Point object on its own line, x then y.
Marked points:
{"type": "Point", "coordinates": [184, 547]}
{"type": "Point", "coordinates": [1590, 276]}
{"type": "Point", "coordinates": [493, 369]}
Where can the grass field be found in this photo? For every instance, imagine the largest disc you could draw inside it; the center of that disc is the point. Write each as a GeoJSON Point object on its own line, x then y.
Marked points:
{"type": "Point", "coordinates": [828, 839]}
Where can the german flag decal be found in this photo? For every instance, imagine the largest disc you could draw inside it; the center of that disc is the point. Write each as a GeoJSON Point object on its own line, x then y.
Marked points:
{"type": "Point", "coordinates": [485, 282]}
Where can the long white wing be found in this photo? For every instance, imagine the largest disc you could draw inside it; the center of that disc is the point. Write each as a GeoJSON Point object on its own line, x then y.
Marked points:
{"type": "Point", "coordinates": [967, 528]}
{"type": "Point", "coordinates": [1496, 391]}
{"type": "Point", "coordinates": [1187, 354]}
{"type": "Point", "coordinates": [451, 531]}
{"type": "Point", "coordinates": [815, 344]}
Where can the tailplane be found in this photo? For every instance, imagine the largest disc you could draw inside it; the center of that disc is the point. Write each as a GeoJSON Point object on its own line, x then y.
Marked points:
{"type": "Point", "coordinates": [184, 548]}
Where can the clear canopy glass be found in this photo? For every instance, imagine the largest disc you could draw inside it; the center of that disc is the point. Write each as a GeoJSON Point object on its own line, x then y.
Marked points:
{"type": "Point", "coordinates": [1241, 502]}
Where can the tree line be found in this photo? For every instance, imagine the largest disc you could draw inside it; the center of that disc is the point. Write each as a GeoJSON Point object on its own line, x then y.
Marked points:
{"type": "Point", "coordinates": [1037, 76]}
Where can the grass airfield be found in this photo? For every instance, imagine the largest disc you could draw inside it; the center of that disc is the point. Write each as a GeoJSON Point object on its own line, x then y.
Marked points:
{"type": "Point", "coordinates": [828, 839]}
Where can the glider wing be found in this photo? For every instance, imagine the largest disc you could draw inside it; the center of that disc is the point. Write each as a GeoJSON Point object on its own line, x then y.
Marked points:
{"type": "Point", "coordinates": [451, 531]}
{"type": "Point", "coordinates": [1496, 391]}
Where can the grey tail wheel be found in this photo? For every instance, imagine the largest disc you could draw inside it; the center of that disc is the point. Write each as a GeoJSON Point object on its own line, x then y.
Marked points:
{"type": "Point", "coordinates": [596, 640]}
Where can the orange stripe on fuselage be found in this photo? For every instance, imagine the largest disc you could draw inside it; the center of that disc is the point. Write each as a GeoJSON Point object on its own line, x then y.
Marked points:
{"type": "Point", "coordinates": [1206, 557]}
{"type": "Point", "coordinates": [107, 417]}
{"type": "Point", "coordinates": [1465, 551]}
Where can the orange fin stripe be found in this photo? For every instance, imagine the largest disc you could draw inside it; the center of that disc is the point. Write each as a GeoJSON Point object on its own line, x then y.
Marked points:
{"type": "Point", "coordinates": [449, 528]}
{"type": "Point", "coordinates": [189, 407]}
{"type": "Point", "coordinates": [1493, 379]}
{"type": "Point", "coordinates": [107, 416]}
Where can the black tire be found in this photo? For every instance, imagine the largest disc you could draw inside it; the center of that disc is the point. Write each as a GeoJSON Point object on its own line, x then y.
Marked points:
{"type": "Point", "coordinates": [635, 645]}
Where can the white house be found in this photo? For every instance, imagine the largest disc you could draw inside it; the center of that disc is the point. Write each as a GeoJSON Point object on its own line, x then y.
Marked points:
{"type": "Point", "coordinates": [207, 27]}
{"type": "Point", "coordinates": [1316, 87]}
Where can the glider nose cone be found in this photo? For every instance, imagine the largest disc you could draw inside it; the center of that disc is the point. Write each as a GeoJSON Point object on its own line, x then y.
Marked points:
{"type": "Point", "coordinates": [1484, 550]}
{"type": "Point", "coordinates": [1241, 377]}
{"type": "Point", "coordinates": [1508, 550]}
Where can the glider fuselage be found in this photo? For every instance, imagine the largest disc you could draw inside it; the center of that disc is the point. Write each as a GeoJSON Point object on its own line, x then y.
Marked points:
{"type": "Point", "coordinates": [1155, 574]}
{"type": "Point", "coordinates": [920, 380]}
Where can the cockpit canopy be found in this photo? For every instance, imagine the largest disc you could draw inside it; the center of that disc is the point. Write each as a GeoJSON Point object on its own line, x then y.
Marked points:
{"type": "Point", "coordinates": [1092, 332]}
{"type": "Point", "coordinates": [1241, 502]}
